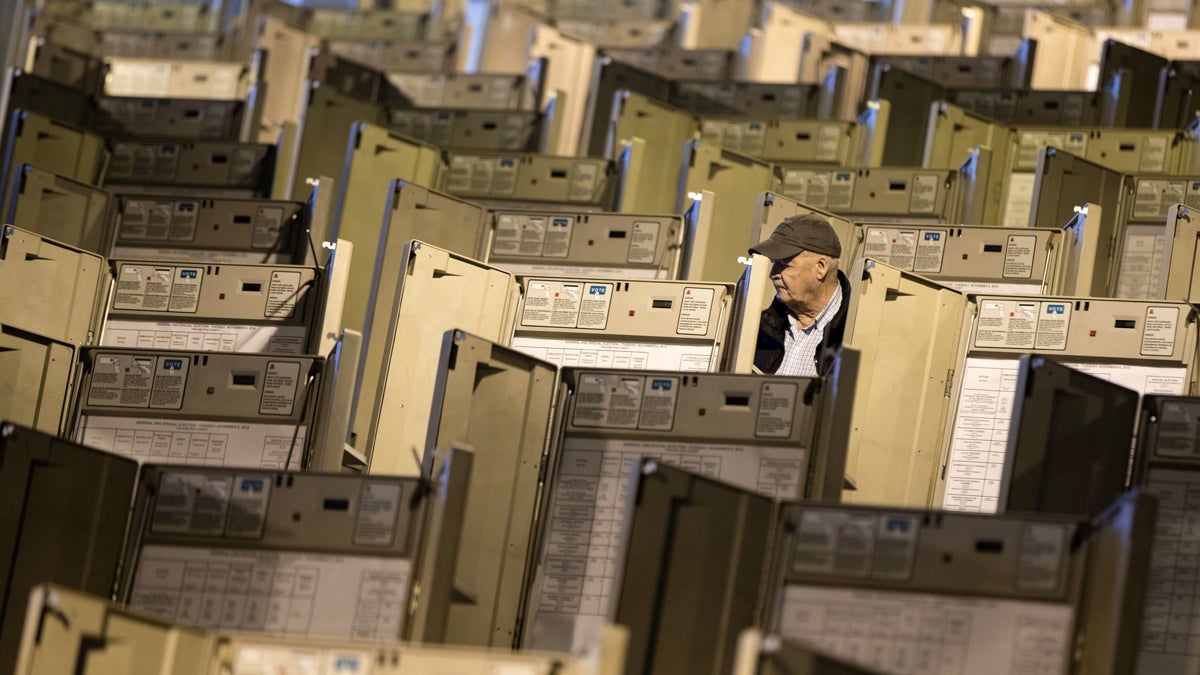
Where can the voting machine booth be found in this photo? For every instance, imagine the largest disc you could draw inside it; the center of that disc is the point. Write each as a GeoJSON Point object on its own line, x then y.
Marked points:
{"type": "Point", "coordinates": [69, 631]}
{"type": "Point", "coordinates": [264, 551]}
{"type": "Point", "coordinates": [68, 211]}
{"type": "Point", "coordinates": [65, 512]}
{"type": "Point", "coordinates": [53, 305]}
{"type": "Point", "coordinates": [640, 324]}
{"type": "Point", "coordinates": [1166, 464]}
{"type": "Point", "coordinates": [777, 437]}
{"type": "Point", "coordinates": [1144, 345]}
{"type": "Point", "coordinates": [929, 592]}
{"type": "Point", "coordinates": [218, 409]}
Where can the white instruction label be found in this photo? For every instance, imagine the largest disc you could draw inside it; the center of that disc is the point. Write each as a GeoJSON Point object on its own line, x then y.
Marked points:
{"type": "Point", "coordinates": [1043, 552]}
{"type": "Point", "coordinates": [566, 304]}
{"type": "Point", "coordinates": [558, 237]}
{"type": "Point", "coordinates": [839, 543]}
{"type": "Point", "coordinates": [695, 311]}
{"type": "Point", "coordinates": [658, 404]}
{"type": "Point", "coordinates": [1154, 154]}
{"type": "Point", "coordinates": [378, 511]}
{"type": "Point", "coordinates": [1152, 197]}
{"type": "Point", "coordinates": [1018, 256]}
{"type": "Point", "coordinates": [194, 442]}
{"type": "Point", "coordinates": [279, 388]}
{"type": "Point", "coordinates": [191, 503]}
{"type": "Point", "coordinates": [268, 224]}
{"type": "Point", "coordinates": [1141, 261]}
{"type": "Point", "coordinates": [1022, 324]}
{"type": "Point", "coordinates": [1018, 203]}
{"type": "Point", "coordinates": [583, 181]}
{"type": "Point", "coordinates": [609, 401]}
{"type": "Point", "coordinates": [931, 248]}
{"type": "Point", "coordinates": [169, 289]}
{"type": "Point", "coordinates": [282, 295]}
{"type": "Point", "coordinates": [569, 352]}
{"type": "Point", "coordinates": [643, 243]}
{"type": "Point", "coordinates": [138, 381]}
{"type": "Point", "coordinates": [923, 196]}
{"type": "Point", "coordinates": [1158, 331]}
{"type": "Point", "coordinates": [280, 592]}
{"type": "Point", "coordinates": [248, 507]}
{"type": "Point", "coordinates": [269, 659]}
{"type": "Point", "coordinates": [829, 143]}
{"type": "Point", "coordinates": [776, 409]}
{"type": "Point", "coordinates": [841, 190]}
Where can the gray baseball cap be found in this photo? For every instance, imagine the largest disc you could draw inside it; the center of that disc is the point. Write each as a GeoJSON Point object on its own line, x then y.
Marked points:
{"type": "Point", "coordinates": [808, 232]}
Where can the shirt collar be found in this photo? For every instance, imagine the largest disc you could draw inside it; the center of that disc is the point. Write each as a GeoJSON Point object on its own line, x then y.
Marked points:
{"type": "Point", "coordinates": [826, 315]}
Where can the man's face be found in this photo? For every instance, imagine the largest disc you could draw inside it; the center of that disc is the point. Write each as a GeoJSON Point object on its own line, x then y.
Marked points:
{"type": "Point", "coordinates": [798, 279]}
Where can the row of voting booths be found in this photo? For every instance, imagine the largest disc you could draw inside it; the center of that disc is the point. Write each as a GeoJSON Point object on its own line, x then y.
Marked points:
{"type": "Point", "coordinates": [421, 339]}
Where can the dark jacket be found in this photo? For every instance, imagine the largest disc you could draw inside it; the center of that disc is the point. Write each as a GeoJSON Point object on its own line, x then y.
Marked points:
{"type": "Point", "coordinates": [773, 327]}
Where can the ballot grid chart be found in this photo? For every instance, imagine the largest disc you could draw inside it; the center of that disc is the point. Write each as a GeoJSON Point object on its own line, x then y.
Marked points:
{"type": "Point", "coordinates": [588, 520]}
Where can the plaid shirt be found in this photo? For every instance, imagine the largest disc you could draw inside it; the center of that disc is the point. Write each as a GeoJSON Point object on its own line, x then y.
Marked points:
{"type": "Point", "coordinates": [800, 344]}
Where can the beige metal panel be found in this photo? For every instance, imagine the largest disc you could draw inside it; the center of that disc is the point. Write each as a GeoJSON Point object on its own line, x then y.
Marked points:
{"type": "Point", "coordinates": [490, 130]}
{"type": "Point", "coordinates": [953, 132]}
{"type": "Point", "coordinates": [969, 566]}
{"type": "Point", "coordinates": [63, 625]}
{"type": "Point", "coordinates": [497, 402]}
{"type": "Point", "coordinates": [62, 209]}
{"type": "Point", "coordinates": [810, 141]}
{"type": "Point", "coordinates": [655, 325]}
{"type": "Point", "coordinates": [778, 51]}
{"type": "Point", "coordinates": [969, 259]}
{"type": "Point", "coordinates": [893, 452]}
{"type": "Point", "coordinates": [190, 118]}
{"type": "Point", "coordinates": [531, 178]}
{"type": "Point", "coordinates": [668, 129]}
{"type": "Point", "coordinates": [326, 116]}
{"type": "Point", "coordinates": [616, 245]}
{"type": "Point", "coordinates": [618, 33]}
{"type": "Point", "coordinates": [466, 90]}
{"type": "Point", "coordinates": [907, 194]}
{"type": "Point", "coordinates": [1147, 202]}
{"type": "Point", "coordinates": [213, 408]}
{"type": "Point", "coordinates": [399, 56]}
{"type": "Point", "coordinates": [212, 230]}
{"type": "Point", "coordinates": [201, 168]}
{"type": "Point", "coordinates": [736, 180]}
{"type": "Point", "coordinates": [165, 78]}
{"type": "Point", "coordinates": [157, 16]}
{"type": "Point", "coordinates": [37, 388]}
{"type": "Point", "coordinates": [416, 213]}
{"type": "Point", "coordinates": [374, 158]}
{"type": "Point", "coordinates": [436, 291]}
{"type": "Point", "coordinates": [1088, 268]}
{"type": "Point", "coordinates": [1063, 47]}
{"type": "Point", "coordinates": [51, 146]}
{"type": "Point", "coordinates": [362, 25]}
{"type": "Point", "coordinates": [287, 53]}
{"type": "Point", "coordinates": [51, 289]}
{"type": "Point", "coordinates": [266, 309]}
{"type": "Point", "coordinates": [162, 45]}
{"type": "Point", "coordinates": [569, 70]}
{"type": "Point", "coordinates": [1179, 278]}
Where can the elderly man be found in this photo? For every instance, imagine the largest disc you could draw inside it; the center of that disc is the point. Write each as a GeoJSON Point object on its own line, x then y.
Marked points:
{"type": "Point", "coordinates": [808, 314]}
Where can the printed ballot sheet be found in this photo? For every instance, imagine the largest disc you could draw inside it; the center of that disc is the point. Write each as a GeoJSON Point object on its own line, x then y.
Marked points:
{"type": "Point", "coordinates": [279, 592]}
{"type": "Point", "coordinates": [926, 634]}
{"type": "Point", "coordinates": [981, 424]}
{"type": "Point", "coordinates": [617, 354]}
{"type": "Point", "coordinates": [1171, 620]}
{"type": "Point", "coordinates": [588, 520]}
{"type": "Point", "coordinates": [1141, 261]}
{"type": "Point", "coordinates": [195, 442]}
{"type": "Point", "coordinates": [204, 337]}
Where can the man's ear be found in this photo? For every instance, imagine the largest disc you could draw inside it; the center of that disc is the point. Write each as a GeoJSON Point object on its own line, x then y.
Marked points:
{"type": "Point", "coordinates": [823, 266]}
